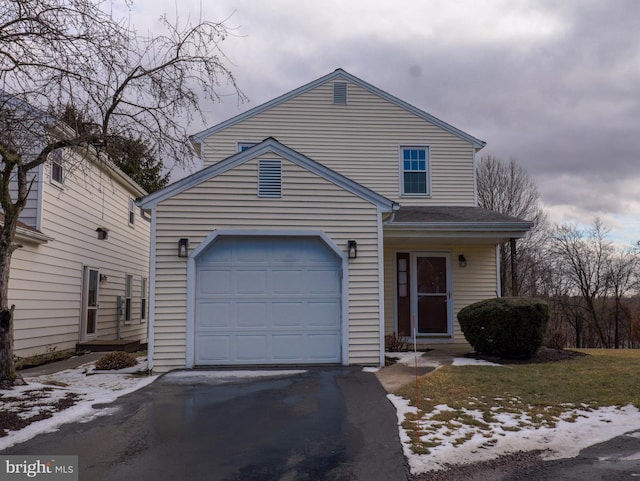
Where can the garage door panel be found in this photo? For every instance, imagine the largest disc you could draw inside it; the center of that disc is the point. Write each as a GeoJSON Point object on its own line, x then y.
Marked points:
{"type": "Point", "coordinates": [323, 315]}
{"type": "Point", "coordinates": [251, 315]}
{"type": "Point", "coordinates": [214, 314]}
{"type": "Point", "coordinates": [288, 348]}
{"type": "Point", "coordinates": [245, 252]}
{"type": "Point", "coordinates": [213, 349]}
{"type": "Point", "coordinates": [287, 314]}
{"type": "Point", "coordinates": [251, 282]}
{"type": "Point", "coordinates": [286, 282]}
{"type": "Point", "coordinates": [268, 301]}
{"type": "Point", "coordinates": [322, 347]}
{"type": "Point", "coordinates": [322, 281]}
{"type": "Point", "coordinates": [252, 348]}
{"type": "Point", "coordinates": [214, 282]}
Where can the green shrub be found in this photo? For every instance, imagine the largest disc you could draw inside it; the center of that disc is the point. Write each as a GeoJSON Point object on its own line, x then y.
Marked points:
{"type": "Point", "coordinates": [116, 360]}
{"type": "Point", "coordinates": [508, 327]}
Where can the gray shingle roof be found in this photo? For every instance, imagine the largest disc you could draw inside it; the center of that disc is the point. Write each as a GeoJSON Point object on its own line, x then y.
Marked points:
{"type": "Point", "coordinates": [453, 214]}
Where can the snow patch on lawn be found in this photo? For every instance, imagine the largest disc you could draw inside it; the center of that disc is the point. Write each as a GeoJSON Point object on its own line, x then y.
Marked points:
{"type": "Point", "coordinates": [410, 359]}
{"type": "Point", "coordinates": [468, 361]}
{"type": "Point", "coordinates": [566, 440]}
{"type": "Point", "coordinates": [89, 387]}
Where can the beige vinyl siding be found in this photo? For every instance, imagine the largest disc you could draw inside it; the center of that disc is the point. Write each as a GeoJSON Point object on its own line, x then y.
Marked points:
{"type": "Point", "coordinates": [46, 281]}
{"type": "Point", "coordinates": [360, 140]}
{"type": "Point", "coordinates": [472, 283]}
{"type": "Point", "coordinates": [230, 201]}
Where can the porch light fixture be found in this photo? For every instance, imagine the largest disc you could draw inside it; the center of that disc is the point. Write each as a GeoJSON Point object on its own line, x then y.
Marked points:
{"type": "Point", "coordinates": [103, 278]}
{"type": "Point", "coordinates": [352, 249]}
{"type": "Point", "coordinates": [462, 260]}
{"type": "Point", "coordinates": [103, 233]}
{"type": "Point", "coordinates": [183, 247]}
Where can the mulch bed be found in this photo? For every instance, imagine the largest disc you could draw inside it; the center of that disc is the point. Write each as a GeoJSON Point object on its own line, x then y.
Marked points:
{"type": "Point", "coordinates": [544, 355]}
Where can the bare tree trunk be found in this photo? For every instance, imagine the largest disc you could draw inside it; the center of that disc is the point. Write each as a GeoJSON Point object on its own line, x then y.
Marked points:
{"type": "Point", "coordinates": [8, 373]}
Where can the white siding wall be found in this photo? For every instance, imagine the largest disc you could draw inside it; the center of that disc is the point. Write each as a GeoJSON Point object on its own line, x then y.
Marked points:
{"type": "Point", "coordinates": [229, 201]}
{"type": "Point", "coordinates": [360, 140]}
{"type": "Point", "coordinates": [29, 214]}
{"type": "Point", "coordinates": [46, 280]}
{"type": "Point", "coordinates": [472, 283]}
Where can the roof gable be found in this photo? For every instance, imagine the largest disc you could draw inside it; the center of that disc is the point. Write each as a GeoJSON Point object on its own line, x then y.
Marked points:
{"type": "Point", "coordinates": [338, 74]}
{"type": "Point", "coordinates": [268, 145]}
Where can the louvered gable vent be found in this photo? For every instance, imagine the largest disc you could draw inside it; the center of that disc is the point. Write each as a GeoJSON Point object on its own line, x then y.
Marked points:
{"type": "Point", "coordinates": [340, 93]}
{"type": "Point", "coordinates": [269, 178]}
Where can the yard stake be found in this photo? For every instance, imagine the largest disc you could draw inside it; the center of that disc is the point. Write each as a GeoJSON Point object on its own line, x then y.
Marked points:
{"type": "Point", "coordinates": [415, 358]}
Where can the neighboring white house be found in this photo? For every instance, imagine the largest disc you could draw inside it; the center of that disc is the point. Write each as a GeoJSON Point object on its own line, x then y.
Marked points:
{"type": "Point", "coordinates": [85, 248]}
{"type": "Point", "coordinates": [322, 220]}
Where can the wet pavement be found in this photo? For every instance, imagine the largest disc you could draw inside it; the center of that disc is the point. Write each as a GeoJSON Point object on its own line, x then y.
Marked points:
{"type": "Point", "coordinates": [329, 424]}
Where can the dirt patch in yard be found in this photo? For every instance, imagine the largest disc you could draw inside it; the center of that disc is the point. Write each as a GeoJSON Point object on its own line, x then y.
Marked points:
{"type": "Point", "coordinates": [506, 467]}
{"type": "Point", "coordinates": [18, 411]}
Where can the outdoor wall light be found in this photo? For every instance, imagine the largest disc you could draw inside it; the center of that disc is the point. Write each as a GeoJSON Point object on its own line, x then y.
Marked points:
{"type": "Point", "coordinates": [352, 249]}
{"type": "Point", "coordinates": [103, 278]}
{"type": "Point", "coordinates": [183, 247]}
{"type": "Point", "coordinates": [103, 233]}
{"type": "Point", "coordinates": [462, 260]}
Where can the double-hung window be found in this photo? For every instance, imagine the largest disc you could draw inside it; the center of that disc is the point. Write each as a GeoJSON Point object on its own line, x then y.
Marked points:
{"type": "Point", "coordinates": [132, 212]}
{"type": "Point", "coordinates": [57, 167]}
{"type": "Point", "coordinates": [127, 298]}
{"type": "Point", "coordinates": [143, 299]}
{"type": "Point", "coordinates": [414, 163]}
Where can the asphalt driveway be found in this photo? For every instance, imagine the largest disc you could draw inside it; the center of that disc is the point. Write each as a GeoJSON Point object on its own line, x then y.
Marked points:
{"type": "Point", "coordinates": [329, 424]}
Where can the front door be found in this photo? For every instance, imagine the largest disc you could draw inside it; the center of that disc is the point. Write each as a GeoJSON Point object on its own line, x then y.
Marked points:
{"type": "Point", "coordinates": [424, 295]}
{"type": "Point", "coordinates": [91, 285]}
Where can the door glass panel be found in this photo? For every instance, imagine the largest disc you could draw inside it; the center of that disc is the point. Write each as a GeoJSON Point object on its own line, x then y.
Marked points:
{"type": "Point", "coordinates": [91, 307]}
{"type": "Point", "coordinates": [432, 295]}
{"type": "Point", "coordinates": [91, 321]}
{"type": "Point", "coordinates": [432, 275]}
{"type": "Point", "coordinates": [432, 314]}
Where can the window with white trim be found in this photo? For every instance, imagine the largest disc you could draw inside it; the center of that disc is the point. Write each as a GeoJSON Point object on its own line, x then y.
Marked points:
{"type": "Point", "coordinates": [132, 212]}
{"type": "Point", "coordinates": [143, 299]}
{"type": "Point", "coordinates": [127, 298]}
{"type": "Point", "coordinates": [269, 178]}
{"type": "Point", "coordinates": [414, 164]}
{"type": "Point", "coordinates": [57, 167]}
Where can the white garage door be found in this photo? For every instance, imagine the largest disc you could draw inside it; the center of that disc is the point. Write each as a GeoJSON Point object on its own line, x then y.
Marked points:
{"type": "Point", "coordinates": [267, 301]}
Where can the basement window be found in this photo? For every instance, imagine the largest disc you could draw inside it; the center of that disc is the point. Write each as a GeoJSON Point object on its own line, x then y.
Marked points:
{"type": "Point", "coordinates": [269, 178]}
{"type": "Point", "coordinates": [340, 93]}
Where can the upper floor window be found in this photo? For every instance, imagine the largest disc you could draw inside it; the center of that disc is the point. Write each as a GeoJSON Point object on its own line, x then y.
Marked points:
{"type": "Point", "coordinates": [242, 146]}
{"type": "Point", "coordinates": [414, 162]}
{"type": "Point", "coordinates": [132, 212]}
{"type": "Point", "coordinates": [57, 167]}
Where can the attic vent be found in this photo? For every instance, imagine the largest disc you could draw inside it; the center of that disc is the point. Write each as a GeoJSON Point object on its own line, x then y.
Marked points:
{"type": "Point", "coordinates": [340, 93]}
{"type": "Point", "coordinates": [269, 178]}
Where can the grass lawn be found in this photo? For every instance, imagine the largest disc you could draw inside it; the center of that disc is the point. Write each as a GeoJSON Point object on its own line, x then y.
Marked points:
{"type": "Point", "coordinates": [456, 403]}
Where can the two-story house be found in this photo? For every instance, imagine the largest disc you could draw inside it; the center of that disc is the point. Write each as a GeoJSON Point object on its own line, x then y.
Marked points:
{"type": "Point", "coordinates": [322, 220]}
{"type": "Point", "coordinates": [81, 275]}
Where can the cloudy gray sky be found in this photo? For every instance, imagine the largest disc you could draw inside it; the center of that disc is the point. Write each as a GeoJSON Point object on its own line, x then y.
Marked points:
{"type": "Point", "coordinates": [553, 84]}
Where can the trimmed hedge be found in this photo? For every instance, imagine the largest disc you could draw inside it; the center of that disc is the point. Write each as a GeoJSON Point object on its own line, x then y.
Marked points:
{"type": "Point", "coordinates": [508, 327]}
